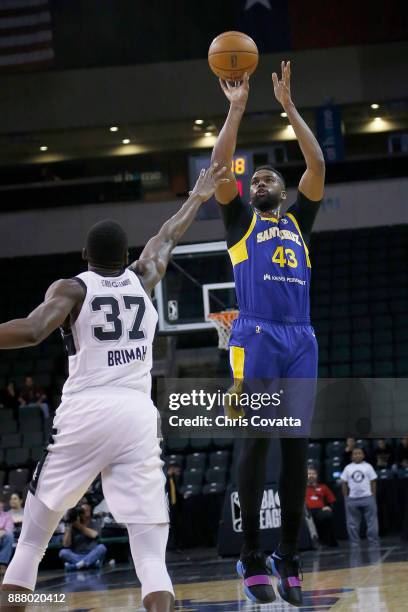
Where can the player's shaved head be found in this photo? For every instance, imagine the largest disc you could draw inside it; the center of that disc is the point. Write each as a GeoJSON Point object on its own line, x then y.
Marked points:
{"type": "Point", "coordinates": [270, 168]}
{"type": "Point", "coordinates": [267, 189]}
{"type": "Point", "coordinates": [107, 244]}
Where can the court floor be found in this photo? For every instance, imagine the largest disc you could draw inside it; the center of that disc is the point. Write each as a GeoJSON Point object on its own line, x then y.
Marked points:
{"type": "Point", "coordinates": [334, 579]}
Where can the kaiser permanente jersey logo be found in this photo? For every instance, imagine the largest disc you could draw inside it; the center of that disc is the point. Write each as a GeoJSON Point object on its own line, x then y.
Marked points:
{"type": "Point", "coordinates": [274, 232]}
{"type": "Point", "coordinates": [269, 516]}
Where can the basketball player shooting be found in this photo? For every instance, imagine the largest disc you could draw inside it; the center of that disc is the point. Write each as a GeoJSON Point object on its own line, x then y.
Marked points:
{"type": "Point", "coordinates": [272, 337]}
{"type": "Point", "coordinates": [106, 421]}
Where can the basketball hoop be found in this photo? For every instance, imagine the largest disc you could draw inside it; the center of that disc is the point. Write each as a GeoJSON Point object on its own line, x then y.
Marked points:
{"type": "Point", "coordinates": [222, 321]}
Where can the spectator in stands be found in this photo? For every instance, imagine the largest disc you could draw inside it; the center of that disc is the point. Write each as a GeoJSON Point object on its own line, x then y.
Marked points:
{"type": "Point", "coordinates": [16, 512]}
{"type": "Point", "coordinates": [81, 548]}
{"type": "Point", "coordinates": [9, 397]}
{"type": "Point", "coordinates": [33, 394]}
{"type": "Point", "coordinates": [350, 445]}
{"type": "Point", "coordinates": [359, 490]}
{"type": "Point", "coordinates": [319, 501]}
{"type": "Point", "coordinates": [175, 502]}
{"type": "Point", "coordinates": [383, 456]}
{"type": "Point", "coordinates": [6, 538]}
{"type": "Point", "coordinates": [402, 453]}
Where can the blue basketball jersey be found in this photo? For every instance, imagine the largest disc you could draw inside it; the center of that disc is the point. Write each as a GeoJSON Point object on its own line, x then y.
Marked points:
{"type": "Point", "coordinates": [272, 270]}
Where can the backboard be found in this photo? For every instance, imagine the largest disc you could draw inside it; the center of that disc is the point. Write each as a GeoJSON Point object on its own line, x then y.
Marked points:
{"type": "Point", "coordinates": [199, 280]}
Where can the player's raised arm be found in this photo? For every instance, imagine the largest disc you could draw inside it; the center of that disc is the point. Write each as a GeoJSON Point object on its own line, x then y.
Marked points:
{"type": "Point", "coordinates": [153, 261]}
{"type": "Point", "coordinates": [60, 299]}
{"type": "Point", "coordinates": [312, 182]}
{"type": "Point", "coordinates": [224, 148]}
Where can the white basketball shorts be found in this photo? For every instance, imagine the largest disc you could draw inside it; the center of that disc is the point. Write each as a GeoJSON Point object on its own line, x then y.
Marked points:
{"type": "Point", "coordinates": [113, 431]}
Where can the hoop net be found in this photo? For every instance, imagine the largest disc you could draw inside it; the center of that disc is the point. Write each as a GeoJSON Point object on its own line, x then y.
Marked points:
{"type": "Point", "coordinates": [222, 321]}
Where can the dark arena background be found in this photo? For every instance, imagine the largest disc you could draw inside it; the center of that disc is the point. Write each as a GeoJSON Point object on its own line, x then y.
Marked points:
{"type": "Point", "coordinates": [108, 109]}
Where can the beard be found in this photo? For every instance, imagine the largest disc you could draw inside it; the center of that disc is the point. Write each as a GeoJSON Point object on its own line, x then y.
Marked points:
{"type": "Point", "coordinates": [271, 201]}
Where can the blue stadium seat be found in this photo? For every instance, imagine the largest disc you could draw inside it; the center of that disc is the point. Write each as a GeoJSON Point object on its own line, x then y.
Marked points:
{"type": "Point", "coordinates": [177, 444]}
{"type": "Point", "coordinates": [11, 440]}
{"type": "Point", "coordinates": [33, 438]}
{"type": "Point", "coordinates": [219, 458]}
{"type": "Point", "coordinates": [213, 488]}
{"type": "Point", "coordinates": [36, 453]}
{"type": "Point", "coordinates": [193, 477]}
{"type": "Point", "coordinates": [190, 490]}
{"type": "Point", "coordinates": [216, 474]}
{"type": "Point", "coordinates": [8, 427]}
{"type": "Point", "coordinates": [335, 448]}
{"type": "Point", "coordinates": [384, 474]}
{"type": "Point", "coordinates": [200, 443]}
{"type": "Point", "coordinates": [17, 456]}
{"type": "Point", "coordinates": [18, 478]}
{"type": "Point", "coordinates": [314, 450]}
{"type": "Point", "coordinates": [174, 459]}
{"type": "Point", "coordinates": [196, 460]}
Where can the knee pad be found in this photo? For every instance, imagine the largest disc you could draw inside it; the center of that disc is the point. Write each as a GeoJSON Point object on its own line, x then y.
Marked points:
{"type": "Point", "coordinates": [148, 548]}
{"type": "Point", "coordinates": [39, 523]}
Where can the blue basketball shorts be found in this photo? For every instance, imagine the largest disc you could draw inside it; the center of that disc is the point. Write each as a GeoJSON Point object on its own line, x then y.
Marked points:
{"type": "Point", "coordinates": [276, 357]}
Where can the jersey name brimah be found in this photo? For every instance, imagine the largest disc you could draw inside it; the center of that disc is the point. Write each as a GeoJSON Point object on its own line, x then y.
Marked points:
{"type": "Point", "coordinates": [275, 232]}
{"type": "Point", "coordinates": [125, 356]}
{"type": "Point", "coordinates": [110, 342]}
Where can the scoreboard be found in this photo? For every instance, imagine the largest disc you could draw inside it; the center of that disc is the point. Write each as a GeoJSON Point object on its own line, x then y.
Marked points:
{"type": "Point", "coordinates": [243, 164]}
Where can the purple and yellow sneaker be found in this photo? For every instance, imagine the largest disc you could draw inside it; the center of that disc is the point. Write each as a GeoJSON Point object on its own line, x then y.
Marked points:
{"type": "Point", "coordinates": [288, 571]}
{"type": "Point", "coordinates": [256, 575]}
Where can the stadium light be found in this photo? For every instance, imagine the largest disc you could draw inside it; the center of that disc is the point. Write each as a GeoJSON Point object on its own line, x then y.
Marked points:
{"type": "Point", "coordinates": [43, 148]}
{"type": "Point", "coordinates": [125, 141]}
{"type": "Point", "coordinates": [199, 121]}
{"type": "Point", "coordinates": [283, 114]}
{"type": "Point", "coordinates": [375, 106]}
{"type": "Point", "coordinates": [113, 128]}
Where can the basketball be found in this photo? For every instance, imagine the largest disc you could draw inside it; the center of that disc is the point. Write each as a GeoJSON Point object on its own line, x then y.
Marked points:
{"type": "Point", "coordinates": [231, 54]}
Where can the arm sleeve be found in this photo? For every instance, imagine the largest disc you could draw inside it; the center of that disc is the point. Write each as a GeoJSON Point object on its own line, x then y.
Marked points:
{"type": "Point", "coordinates": [305, 211]}
{"type": "Point", "coordinates": [237, 218]}
{"type": "Point", "coordinates": [329, 495]}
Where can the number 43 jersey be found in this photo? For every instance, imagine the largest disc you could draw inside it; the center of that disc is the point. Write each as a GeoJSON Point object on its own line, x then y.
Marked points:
{"type": "Point", "coordinates": [110, 343]}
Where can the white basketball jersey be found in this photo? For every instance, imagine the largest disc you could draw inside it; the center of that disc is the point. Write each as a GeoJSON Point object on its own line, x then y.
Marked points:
{"type": "Point", "coordinates": [110, 343]}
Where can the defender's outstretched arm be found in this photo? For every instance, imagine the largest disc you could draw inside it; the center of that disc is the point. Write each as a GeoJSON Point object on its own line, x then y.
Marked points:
{"type": "Point", "coordinates": [312, 182]}
{"type": "Point", "coordinates": [59, 301]}
{"type": "Point", "coordinates": [153, 261]}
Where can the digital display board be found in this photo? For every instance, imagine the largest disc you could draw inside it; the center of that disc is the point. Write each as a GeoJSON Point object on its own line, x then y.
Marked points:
{"type": "Point", "coordinates": [241, 166]}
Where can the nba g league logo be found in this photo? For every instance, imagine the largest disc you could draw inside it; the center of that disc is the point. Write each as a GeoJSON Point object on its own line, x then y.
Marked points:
{"type": "Point", "coordinates": [270, 513]}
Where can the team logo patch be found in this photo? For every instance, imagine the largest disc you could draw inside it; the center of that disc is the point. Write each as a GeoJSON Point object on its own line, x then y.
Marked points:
{"type": "Point", "coordinates": [357, 476]}
{"type": "Point", "coordinates": [284, 221]}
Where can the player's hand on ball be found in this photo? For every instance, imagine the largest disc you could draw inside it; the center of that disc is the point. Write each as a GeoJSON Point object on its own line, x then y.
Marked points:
{"type": "Point", "coordinates": [208, 181]}
{"type": "Point", "coordinates": [237, 93]}
{"type": "Point", "coordinates": [281, 87]}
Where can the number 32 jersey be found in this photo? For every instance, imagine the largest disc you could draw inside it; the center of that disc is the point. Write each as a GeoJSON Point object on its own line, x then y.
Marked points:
{"type": "Point", "coordinates": [110, 343]}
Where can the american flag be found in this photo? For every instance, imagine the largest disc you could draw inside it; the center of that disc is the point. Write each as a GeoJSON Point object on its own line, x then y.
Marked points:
{"type": "Point", "coordinates": [25, 35]}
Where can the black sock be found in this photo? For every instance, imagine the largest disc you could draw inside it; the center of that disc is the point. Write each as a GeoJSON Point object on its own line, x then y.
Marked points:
{"type": "Point", "coordinates": [292, 491]}
{"type": "Point", "coordinates": [251, 484]}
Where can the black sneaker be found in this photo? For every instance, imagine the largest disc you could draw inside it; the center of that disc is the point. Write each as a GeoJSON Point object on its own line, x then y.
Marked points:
{"type": "Point", "coordinates": [289, 573]}
{"type": "Point", "coordinates": [257, 580]}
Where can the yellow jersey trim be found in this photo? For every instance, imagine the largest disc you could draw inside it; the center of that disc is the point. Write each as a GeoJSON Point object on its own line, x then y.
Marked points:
{"type": "Point", "coordinates": [239, 251]}
{"type": "Point", "coordinates": [309, 265]}
{"type": "Point", "coordinates": [268, 219]}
